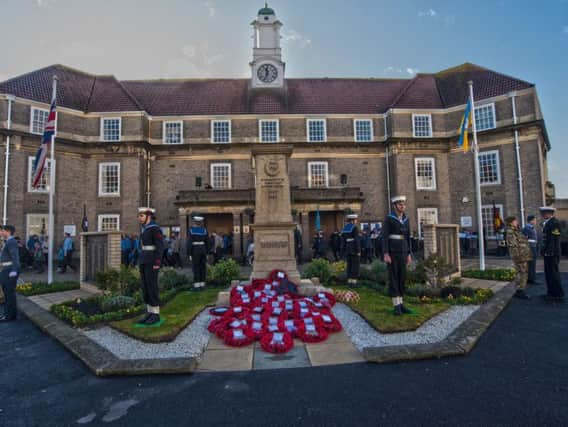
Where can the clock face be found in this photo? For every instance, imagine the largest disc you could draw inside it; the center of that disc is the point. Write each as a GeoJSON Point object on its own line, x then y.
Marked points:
{"type": "Point", "coordinates": [267, 73]}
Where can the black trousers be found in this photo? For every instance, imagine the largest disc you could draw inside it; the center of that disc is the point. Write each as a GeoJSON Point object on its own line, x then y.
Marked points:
{"type": "Point", "coordinates": [150, 289]}
{"type": "Point", "coordinates": [397, 274]}
{"type": "Point", "coordinates": [532, 264]}
{"type": "Point", "coordinates": [552, 275]}
{"type": "Point", "coordinates": [353, 263]}
{"type": "Point", "coordinates": [9, 288]}
{"type": "Point", "coordinates": [67, 262]}
{"type": "Point", "coordinates": [199, 264]}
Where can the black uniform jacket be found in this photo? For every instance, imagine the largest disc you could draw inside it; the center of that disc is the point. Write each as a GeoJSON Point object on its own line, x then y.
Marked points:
{"type": "Point", "coordinates": [396, 235]}
{"type": "Point", "coordinates": [551, 238]}
{"type": "Point", "coordinates": [152, 239]}
{"type": "Point", "coordinates": [200, 236]}
{"type": "Point", "coordinates": [351, 242]}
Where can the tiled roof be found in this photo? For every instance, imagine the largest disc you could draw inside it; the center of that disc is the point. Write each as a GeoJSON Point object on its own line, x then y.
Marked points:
{"type": "Point", "coordinates": [421, 92]}
{"type": "Point", "coordinates": [453, 88]}
{"type": "Point", "coordinates": [90, 93]}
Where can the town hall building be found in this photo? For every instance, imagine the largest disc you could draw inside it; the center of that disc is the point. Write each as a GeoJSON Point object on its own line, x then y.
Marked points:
{"type": "Point", "coordinates": [184, 146]}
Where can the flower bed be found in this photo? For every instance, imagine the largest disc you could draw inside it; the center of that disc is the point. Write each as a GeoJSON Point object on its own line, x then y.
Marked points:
{"type": "Point", "coordinates": [500, 274]}
{"type": "Point", "coordinates": [38, 288]}
{"type": "Point", "coordinates": [89, 311]}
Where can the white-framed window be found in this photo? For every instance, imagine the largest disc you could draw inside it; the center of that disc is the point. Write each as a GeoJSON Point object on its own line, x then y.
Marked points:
{"type": "Point", "coordinates": [485, 117]}
{"type": "Point", "coordinates": [36, 224]}
{"type": "Point", "coordinates": [426, 216]}
{"type": "Point", "coordinates": [43, 186]}
{"type": "Point", "coordinates": [220, 131]}
{"type": "Point", "coordinates": [318, 176]}
{"type": "Point", "coordinates": [111, 128]}
{"type": "Point", "coordinates": [109, 179]}
{"type": "Point", "coordinates": [38, 117]}
{"type": "Point", "coordinates": [221, 176]}
{"type": "Point", "coordinates": [488, 216]}
{"type": "Point", "coordinates": [422, 125]}
{"type": "Point", "coordinates": [489, 171]}
{"type": "Point", "coordinates": [316, 130]}
{"type": "Point", "coordinates": [108, 222]}
{"type": "Point", "coordinates": [425, 170]}
{"type": "Point", "coordinates": [268, 130]}
{"type": "Point", "coordinates": [363, 130]}
{"type": "Point", "coordinates": [172, 132]}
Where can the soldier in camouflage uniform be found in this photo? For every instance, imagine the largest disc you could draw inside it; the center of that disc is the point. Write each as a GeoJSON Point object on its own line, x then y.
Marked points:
{"type": "Point", "coordinates": [520, 253]}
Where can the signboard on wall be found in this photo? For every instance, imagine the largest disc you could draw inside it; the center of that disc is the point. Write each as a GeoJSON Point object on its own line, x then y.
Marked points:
{"type": "Point", "coordinates": [466, 221]}
{"type": "Point", "coordinates": [236, 229]}
{"type": "Point", "coordinates": [71, 229]}
{"type": "Point", "coordinates": [246, 229]}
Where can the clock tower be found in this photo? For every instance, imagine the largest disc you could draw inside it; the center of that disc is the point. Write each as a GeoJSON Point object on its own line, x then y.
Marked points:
{"type": "Point", "coordinates": [267, 66]}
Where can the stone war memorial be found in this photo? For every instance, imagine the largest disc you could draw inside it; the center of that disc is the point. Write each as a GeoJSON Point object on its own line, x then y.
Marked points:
{"type": "Point", "coordinates": [273, 228]}
{"type": "Point", "coordinates": [345, 192]}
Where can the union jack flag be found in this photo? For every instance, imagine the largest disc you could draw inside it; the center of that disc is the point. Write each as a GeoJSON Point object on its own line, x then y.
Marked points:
{"type": "Point", "coordinates": [41, 156]}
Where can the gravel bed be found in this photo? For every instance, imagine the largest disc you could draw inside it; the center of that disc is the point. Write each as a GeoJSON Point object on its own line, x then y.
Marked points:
{"type": "Point", "coordinates": [191, 342]}
{"type": "Point", "coordinates": [434, 330]}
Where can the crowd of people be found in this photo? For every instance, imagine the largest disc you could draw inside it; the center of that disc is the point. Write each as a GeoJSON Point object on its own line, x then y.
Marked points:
{"type": "Point", "coordinates": [220, 245]}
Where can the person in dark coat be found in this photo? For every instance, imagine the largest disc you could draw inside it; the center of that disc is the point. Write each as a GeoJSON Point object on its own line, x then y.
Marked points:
{"type": "Point", "coordinates": [351, 248]}
{"type": "Point", "coordinates": [551, 253]}
{"type": "Point", "coordinates": [10, 270]}
{"type": "Point", "coordinates": [319, 246]}
{"type": "Point", "coordinates": [335, 243]}
{"type": "Point", "coordinates": [298, 244]}
{"type": "Point", "coordinates": [151, 251]}
{"type": "Point", "coordinates": [396, 250]}
{"type": "Point", "coordinates": [199, 244]}
{"type": "Point", "coordinates": [530, 233]}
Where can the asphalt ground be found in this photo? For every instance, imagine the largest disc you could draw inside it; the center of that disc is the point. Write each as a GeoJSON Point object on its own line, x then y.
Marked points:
{"type": "Point", "coordinates": [516, 376]}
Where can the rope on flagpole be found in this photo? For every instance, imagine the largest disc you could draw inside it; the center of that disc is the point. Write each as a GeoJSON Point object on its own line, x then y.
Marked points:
{"type": "Point", "coordinates": [480, 233]}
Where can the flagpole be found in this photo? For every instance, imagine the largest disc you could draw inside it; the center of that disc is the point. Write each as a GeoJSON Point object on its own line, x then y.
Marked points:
{"type": "Point", "coordinates": [51, 193]}
{"type": "Point", "coordinates": [480, 233]}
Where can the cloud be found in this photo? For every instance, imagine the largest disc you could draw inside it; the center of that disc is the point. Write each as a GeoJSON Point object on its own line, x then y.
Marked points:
{"type": "Point", "coordinates": [294, 37]}
{"type": "Point", "coordinates": [211, 8]}
{"type": "Point", "coordinates": [195, 61]}
{"type": "Point", "coordinates": [80, 49]}
{"type": "Point", "coordinates": [45, 3]}
{"type": "Point", "coordinates": [390, 70]}
{"type": "Point", "coordinates": [430, 13]}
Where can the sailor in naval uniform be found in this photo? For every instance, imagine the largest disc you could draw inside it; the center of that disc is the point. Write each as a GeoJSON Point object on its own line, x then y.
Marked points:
{"type": "Point", "coordinates": [396, 249]}
{"type": "Point", "coordinates": [351, 245]}
{"type": "Point", "coordinates": [9, 272]}
{"type": "Point", "coordinates": [198, 248]}
{"type": "Point", "coordinates": [151, 251]}
{"type": "Point", "coordinates": [551, 253]}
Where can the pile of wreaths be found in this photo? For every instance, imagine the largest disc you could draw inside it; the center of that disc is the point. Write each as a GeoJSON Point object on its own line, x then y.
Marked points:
{"type": "Point", "coordinates": [271, 311]}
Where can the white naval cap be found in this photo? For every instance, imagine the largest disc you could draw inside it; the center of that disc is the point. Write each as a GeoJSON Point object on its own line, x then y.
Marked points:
{"type": "Point", "coordinates": [547, 209]}
{"type": "Point", "coordinates": [145, 210]}
{"type": "Point", "coordinates": [397, 199]}
{"type": "Point", "coordinates": [352, 216]}
{"type": "Point", "coordinates": [197, 218]}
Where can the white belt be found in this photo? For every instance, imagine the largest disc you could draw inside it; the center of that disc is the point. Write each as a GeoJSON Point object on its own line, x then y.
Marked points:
{"type": "Point", "coordinates": [396, 237]}
{"type": "Point", "coordinates": [349, 240]}
{"type": "Point", "coordinates": [149, 248]}
{"type": "Point", "coordinates": [197, 243]}
{"type": "Point", "coordinates": [532, 241]}
{"type": "Point", "coordinates": [6, 264]}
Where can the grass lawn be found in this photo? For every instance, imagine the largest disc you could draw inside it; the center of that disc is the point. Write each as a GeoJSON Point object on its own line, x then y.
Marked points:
{"type": "Point", "coordinates": [377, 310]}
{"type": "Point", "coordinates": [178, 313]}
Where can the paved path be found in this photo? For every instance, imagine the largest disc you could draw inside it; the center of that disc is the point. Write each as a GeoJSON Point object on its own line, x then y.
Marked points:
{"type": "Point", "coordinates": [516, 376]}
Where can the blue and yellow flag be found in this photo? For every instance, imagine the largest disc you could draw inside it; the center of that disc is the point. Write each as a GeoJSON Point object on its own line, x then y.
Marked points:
{"type": "Point", "coordinates": [464, 126]}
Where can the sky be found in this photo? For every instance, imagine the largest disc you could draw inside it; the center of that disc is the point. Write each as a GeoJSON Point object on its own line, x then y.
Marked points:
{"type": "Point", "coordinates": [149, 39]}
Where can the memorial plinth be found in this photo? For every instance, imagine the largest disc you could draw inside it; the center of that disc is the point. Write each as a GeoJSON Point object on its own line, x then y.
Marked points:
{"type": "Point", "coordinates": [273, 227]}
